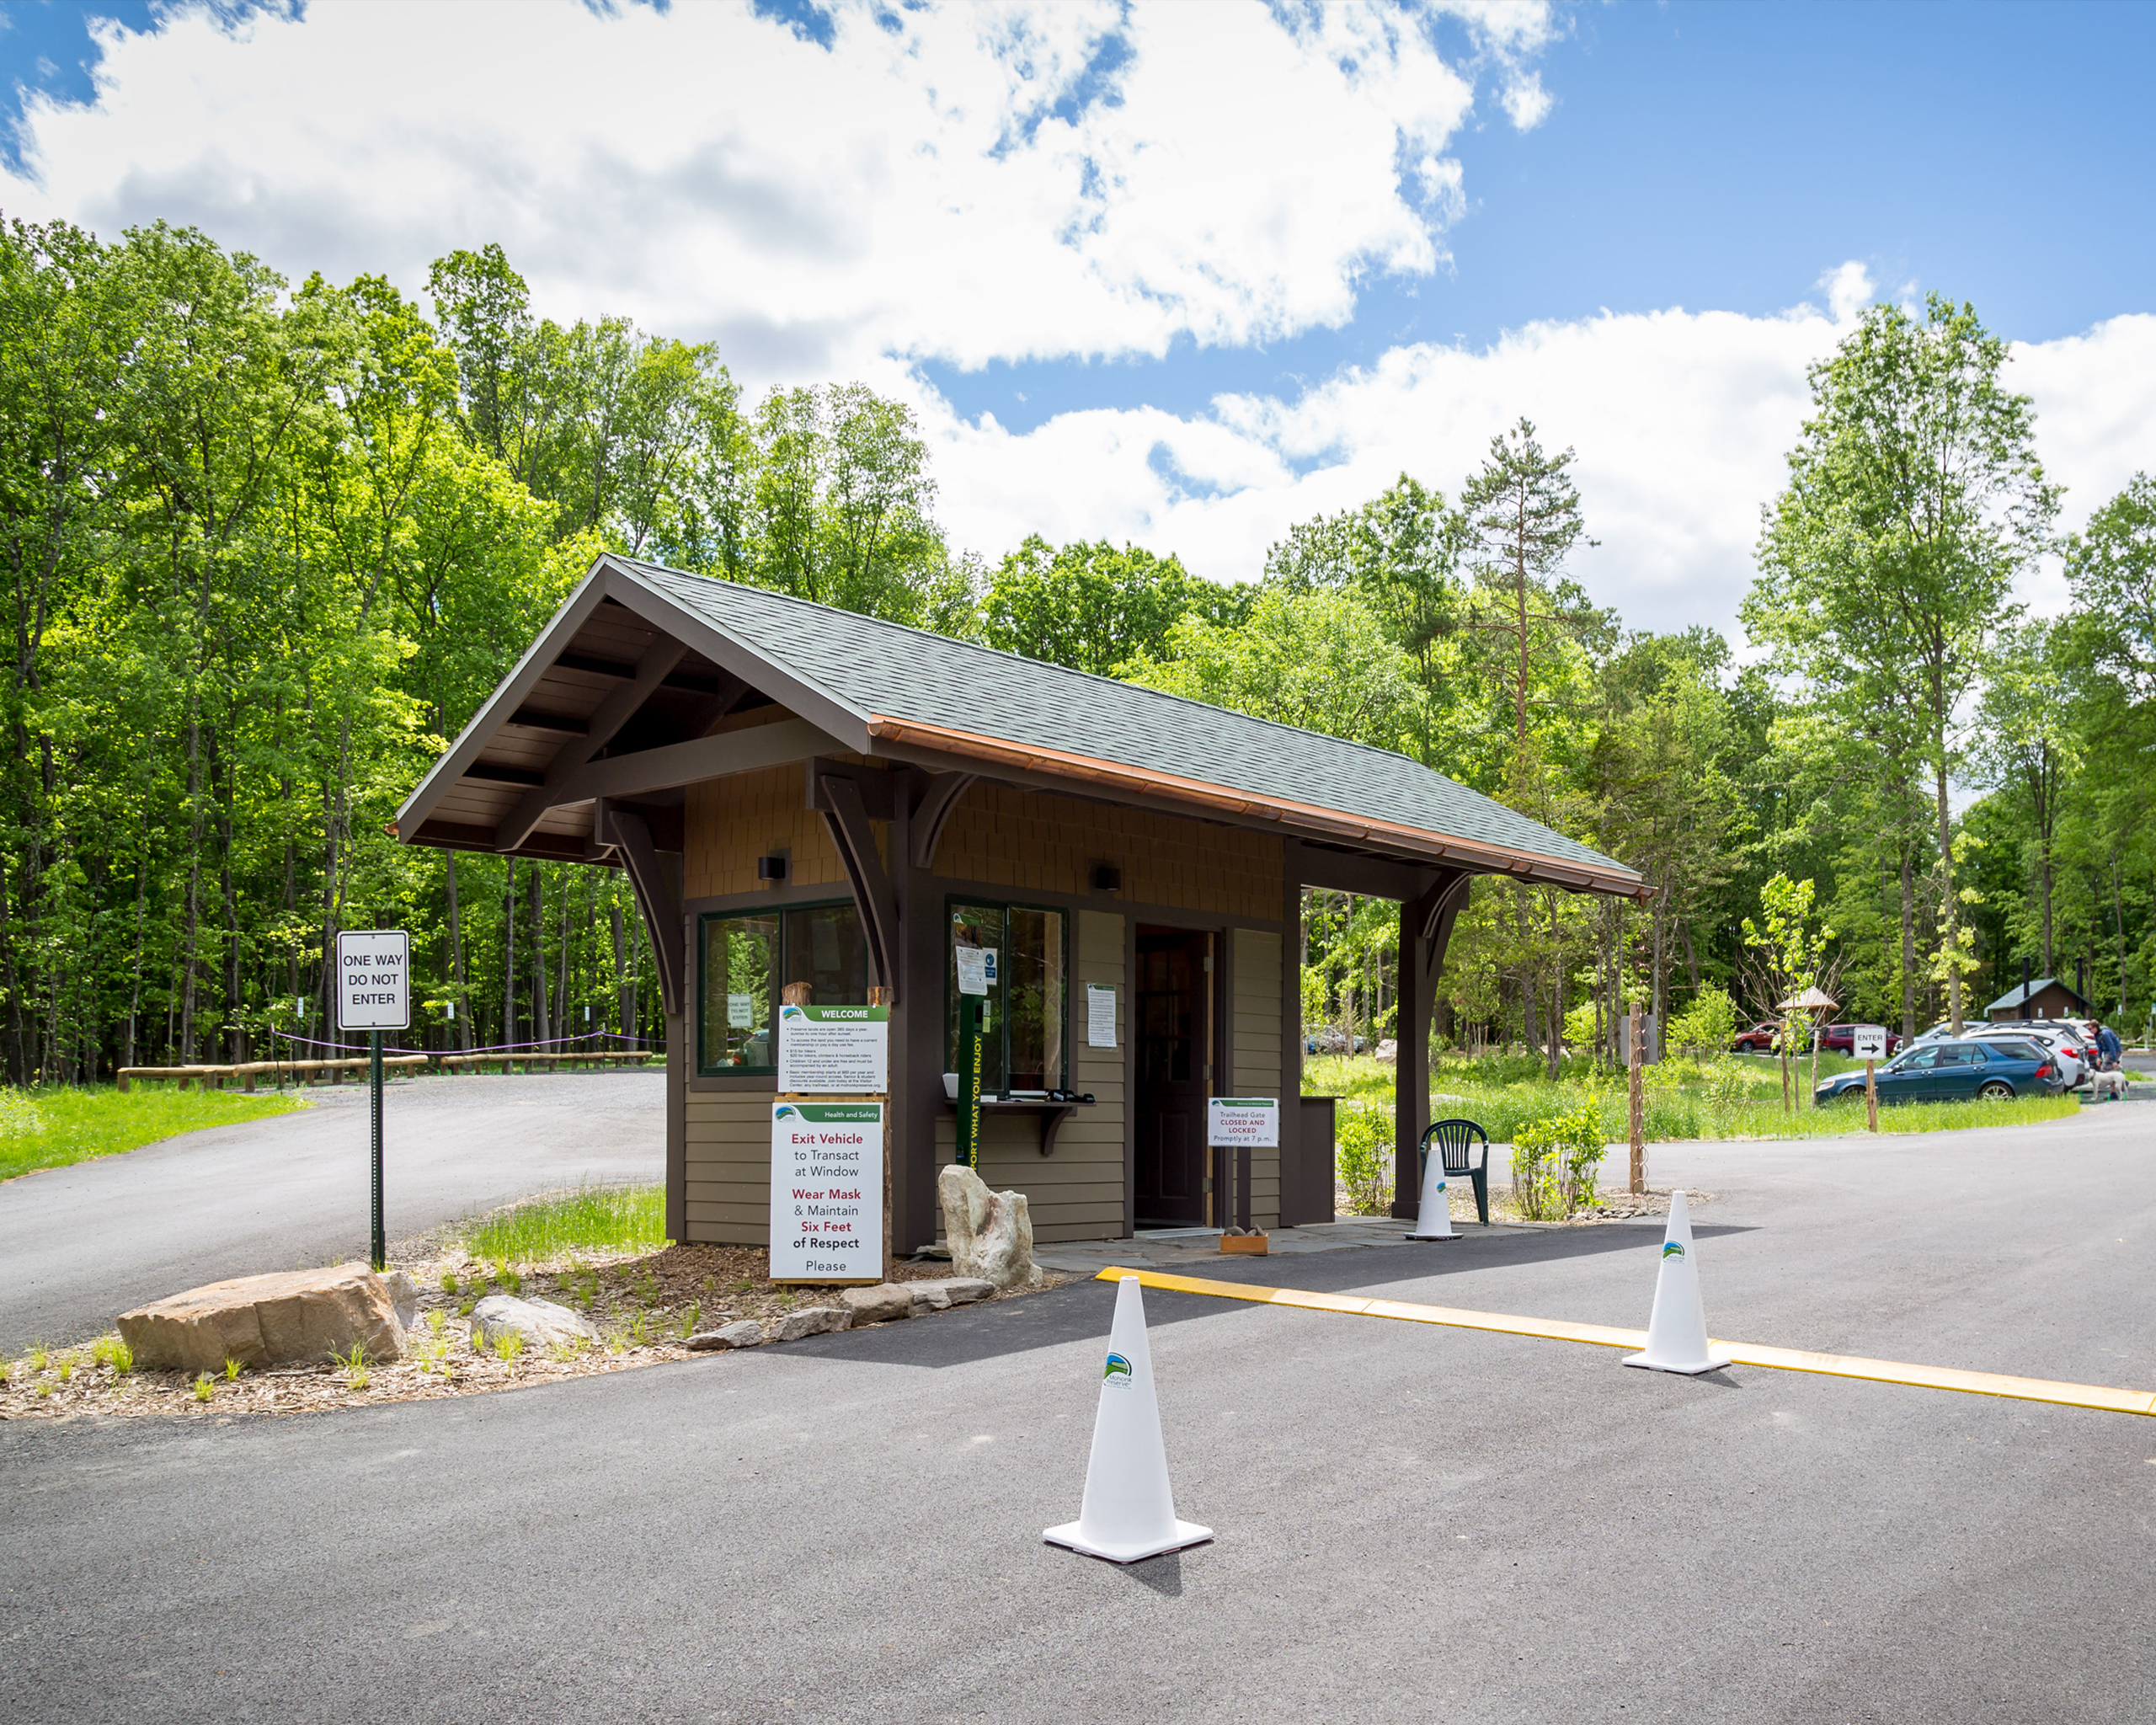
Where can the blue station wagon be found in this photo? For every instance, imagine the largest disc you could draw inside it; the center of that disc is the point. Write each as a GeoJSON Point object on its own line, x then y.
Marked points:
{"type": "Point", "coordinates": [1954, 1072]}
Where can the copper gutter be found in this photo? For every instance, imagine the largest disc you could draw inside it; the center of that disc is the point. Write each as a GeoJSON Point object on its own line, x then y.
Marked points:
{"type": "Point", "coordinates": [1303, 817]}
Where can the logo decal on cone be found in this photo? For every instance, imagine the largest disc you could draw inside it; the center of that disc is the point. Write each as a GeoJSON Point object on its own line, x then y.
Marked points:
{"type": "Point", "coordinates": [1128, 1513]}
{"type": "Point", "coordinates": [1677, 1333]}
{"type": "Point", "coordinates": [1434, 1221]}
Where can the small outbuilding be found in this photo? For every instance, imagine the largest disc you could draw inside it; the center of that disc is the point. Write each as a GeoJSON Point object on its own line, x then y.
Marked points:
{"type": "Point", "coordinates": [806, 798]}
{"type": "Point", "coordinates": [2046, 997]}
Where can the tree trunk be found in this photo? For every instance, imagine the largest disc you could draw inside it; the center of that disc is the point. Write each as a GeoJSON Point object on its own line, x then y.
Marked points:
{"type": "Point", "coordinates": [192, 924]}
{"type": "Point", "coordinates": [1908, 942]}
{"type": "Point", "coordinates": [2118, 920]}
{"type": "Point", "coordinates": [624, 1001]}
{"type": "Point", "coordinates": [1950, 905]}
{"type": "Point", "coordinates": [509, 957]}
{"type": "Point", "coordinates": [459, 993]}
{"type": "Point", "coordinates": [541, 1023]}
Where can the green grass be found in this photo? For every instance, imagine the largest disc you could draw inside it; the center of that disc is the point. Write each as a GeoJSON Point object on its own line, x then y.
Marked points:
{"type": "Point", "coordinates": [1735, 1097]}
{"type": "Point", "coordinates": [591, 1219]}
{"type": "Point", "coordinates": [43, 1128]}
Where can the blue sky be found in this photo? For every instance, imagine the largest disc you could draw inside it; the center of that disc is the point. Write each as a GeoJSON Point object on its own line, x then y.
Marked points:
{"type": "Point", "coordinates": [1220, 280]}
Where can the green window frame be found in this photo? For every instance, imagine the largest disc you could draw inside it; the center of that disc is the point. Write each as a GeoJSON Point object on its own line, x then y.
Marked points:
{"type": "Point", "coordinates": [820, 944]}
{"type": "Point", "coordinates": [1025, 1042]}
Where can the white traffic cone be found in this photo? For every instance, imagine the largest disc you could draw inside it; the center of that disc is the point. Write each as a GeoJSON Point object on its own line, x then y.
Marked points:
{"type": "Point", "coordinates": [1128, 1512]}
{"type": "Point", "coordinates": [1677, 1333]}
{"type": "Point", "coordinates": [1434, 1221]}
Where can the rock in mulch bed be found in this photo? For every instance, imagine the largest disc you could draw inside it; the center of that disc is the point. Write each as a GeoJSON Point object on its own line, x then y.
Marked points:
{"type": "Point", "coordinates": [640, 1310]}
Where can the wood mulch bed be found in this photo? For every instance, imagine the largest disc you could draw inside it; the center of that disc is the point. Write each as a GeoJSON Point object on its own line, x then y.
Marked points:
{"type": "Point", "coordinates": [645, 1306]}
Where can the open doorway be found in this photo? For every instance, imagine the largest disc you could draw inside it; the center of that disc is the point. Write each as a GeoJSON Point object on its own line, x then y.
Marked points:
{"type": "Point", "coordinates": [1174, 1055]}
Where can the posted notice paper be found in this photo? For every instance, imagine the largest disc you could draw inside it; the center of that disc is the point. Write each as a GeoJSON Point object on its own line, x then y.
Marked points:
{"type": "Point", "coordinates": [827, 1192]}
{"type": "Point", "coordinates": [1100, 1016]}
{"type": "Point", "coordinates": [1239, 1120]}
{"type": "Point", "coordinates": [835, 1051]}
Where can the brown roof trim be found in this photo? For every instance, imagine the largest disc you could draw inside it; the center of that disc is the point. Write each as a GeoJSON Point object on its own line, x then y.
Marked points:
{"type": "Point", "coordinates": [1302, 817]}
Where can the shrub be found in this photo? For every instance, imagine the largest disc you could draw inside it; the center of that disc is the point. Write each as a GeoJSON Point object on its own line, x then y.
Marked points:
{"type": "Point", "coordinates": [1708, 1024]}
{"type": "Point", "coordinates": [1364, 1157]}
{"type": "Point", "coordinates": [1555, 1157]}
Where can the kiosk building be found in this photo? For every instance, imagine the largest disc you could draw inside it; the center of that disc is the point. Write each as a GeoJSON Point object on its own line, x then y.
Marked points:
{"type": "Point", "coordinates": [805, 799]}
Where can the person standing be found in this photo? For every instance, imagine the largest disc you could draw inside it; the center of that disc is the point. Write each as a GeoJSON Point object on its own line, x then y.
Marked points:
{"type": "Point", "coordinates": [2109, 1046]}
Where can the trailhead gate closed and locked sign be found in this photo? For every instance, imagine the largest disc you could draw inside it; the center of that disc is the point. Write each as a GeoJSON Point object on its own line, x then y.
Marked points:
{"type": "Point", "coordinates": [374, 994]}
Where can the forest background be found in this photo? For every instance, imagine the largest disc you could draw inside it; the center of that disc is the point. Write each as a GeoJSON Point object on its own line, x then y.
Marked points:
{"type": "Point", "coordinates": [269, 548]}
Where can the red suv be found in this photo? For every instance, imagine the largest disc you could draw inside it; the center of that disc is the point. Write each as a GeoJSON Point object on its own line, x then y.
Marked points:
{"type": "Point", "coordinates": [1841, 1039]}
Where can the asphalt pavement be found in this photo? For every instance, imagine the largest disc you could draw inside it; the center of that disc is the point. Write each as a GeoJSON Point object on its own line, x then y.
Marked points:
{"type": "Point", "coordinates": [1412, 1522]}
{"type": "Point", "coordinates": [79, 1245]}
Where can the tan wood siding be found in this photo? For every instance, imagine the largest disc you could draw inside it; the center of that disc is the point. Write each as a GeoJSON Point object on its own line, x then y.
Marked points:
{"type": "Point", "coordinates": [1003, 835]}
{"type": "Point", "coordinates": [1255, 1056]}
{"type": "Point", "coordinates": [730, 1166]}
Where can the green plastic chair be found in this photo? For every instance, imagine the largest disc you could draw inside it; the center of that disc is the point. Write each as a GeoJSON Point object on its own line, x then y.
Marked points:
{"type": "Point", "coordinates": [1455, 1140]}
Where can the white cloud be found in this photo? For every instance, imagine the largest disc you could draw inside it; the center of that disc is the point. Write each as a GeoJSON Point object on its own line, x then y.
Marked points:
{"type": "Point", "coordinates": [963, 182]}
{"type": "Point", "coordinates": [1680, 420]}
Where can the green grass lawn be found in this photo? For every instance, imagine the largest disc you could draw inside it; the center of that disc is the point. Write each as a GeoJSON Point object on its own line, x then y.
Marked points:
{"type": "Point", "coordinates": [1738, 1096]}
{"type": "Point", "coordinates": [51, 1128]}
{"type": "Point", "coordinates": [591, 1219]}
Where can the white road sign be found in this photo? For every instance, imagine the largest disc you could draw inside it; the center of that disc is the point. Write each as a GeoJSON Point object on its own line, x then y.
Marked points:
{"type": "Point", "coordinates": [373, 980]}
{"type": "Point", "coordinates": [1234, 1121]}
{"type": "Point", "coordinates": [1868, 1042]}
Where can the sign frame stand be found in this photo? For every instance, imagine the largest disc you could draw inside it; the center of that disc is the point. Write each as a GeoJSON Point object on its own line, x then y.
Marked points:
{"type": "Point", "coordinates": [383, 1003]}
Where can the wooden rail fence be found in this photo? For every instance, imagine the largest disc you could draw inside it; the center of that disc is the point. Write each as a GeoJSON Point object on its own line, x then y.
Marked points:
{"type": "Point", "coordinates": [333, 1071]}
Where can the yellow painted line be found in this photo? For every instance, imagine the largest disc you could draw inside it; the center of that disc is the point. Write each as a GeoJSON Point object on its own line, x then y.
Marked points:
{"type": "Point", "coordinates": [1840, 1365]}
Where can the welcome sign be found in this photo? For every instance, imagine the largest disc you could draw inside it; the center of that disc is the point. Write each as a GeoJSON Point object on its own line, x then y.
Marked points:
{"type": "Point", "coordinates": [827, 1192]}
{"type": "Point", "coordinates": [835, 1051]}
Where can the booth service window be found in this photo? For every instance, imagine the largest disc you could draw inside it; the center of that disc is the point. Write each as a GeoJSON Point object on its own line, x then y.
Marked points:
{"type": "Point", "coordinates": [743, 961]}
{"type": "Point", "coordinates": [1024, 1040]}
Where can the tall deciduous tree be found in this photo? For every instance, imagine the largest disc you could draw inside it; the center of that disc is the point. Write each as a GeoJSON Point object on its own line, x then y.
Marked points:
{"type": "Point", "coordinates": [1915, 498]}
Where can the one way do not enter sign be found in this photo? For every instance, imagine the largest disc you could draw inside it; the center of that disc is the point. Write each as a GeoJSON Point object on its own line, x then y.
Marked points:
{"type": "Point", "coordinates": [373, 980]}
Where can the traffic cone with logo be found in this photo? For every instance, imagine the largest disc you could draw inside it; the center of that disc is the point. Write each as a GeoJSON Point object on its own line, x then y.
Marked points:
{"type": "Point", "coordinates": [1434, 1221]}
{"type": "Point", "coordinates": [1677, 1332]}
{"type": "Point", "coordinates": [1128, 1512]}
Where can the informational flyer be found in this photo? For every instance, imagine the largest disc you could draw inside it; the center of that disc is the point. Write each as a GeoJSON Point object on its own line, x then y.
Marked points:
{"type": "Point", "coordinates": [1100, 1016]}
{"type": "Point", "coordinates": [1241, 1121]}
{"type": "Point", "coordinates": [835, 1051]}
{"type": "Point", "coordinates": [976, 970]}
{"type": "Point", "coordinates": [827, 1191]}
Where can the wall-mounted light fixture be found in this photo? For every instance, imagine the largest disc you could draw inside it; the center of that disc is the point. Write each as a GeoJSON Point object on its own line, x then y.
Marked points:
{"type": "Point", "coordinates": [1106, 878]}
{"type": "Point", "coordinates": [771, 868]}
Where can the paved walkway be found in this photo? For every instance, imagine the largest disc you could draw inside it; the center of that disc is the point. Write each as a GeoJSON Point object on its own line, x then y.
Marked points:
{"type": "Point", "coordinates": [79, 1245]}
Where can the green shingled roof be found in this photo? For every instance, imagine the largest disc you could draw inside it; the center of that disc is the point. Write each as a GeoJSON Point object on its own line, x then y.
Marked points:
{"type": "Point", "coordinates": [874, 668]}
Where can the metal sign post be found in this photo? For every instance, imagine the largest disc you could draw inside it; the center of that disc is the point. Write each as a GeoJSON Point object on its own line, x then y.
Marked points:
{"type": "Point", "coordinates": [374, 994]}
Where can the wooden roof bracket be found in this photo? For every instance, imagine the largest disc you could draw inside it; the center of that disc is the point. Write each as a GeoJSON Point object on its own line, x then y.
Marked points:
{"type": "Point", "coordinates": [937, 804]}
{"type": "Point", "coordinates": [838, 796]}
{"type": "Point", "coordinates": [631, 835]}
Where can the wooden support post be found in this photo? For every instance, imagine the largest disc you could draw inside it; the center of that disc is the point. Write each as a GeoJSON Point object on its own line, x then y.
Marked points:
{"type": "Point", "coordinates": [881, 996]}
{"type": "Point", "coordinates": [1636, 1102]}
{"type": "Point", "coordinates": [1872, 1095]}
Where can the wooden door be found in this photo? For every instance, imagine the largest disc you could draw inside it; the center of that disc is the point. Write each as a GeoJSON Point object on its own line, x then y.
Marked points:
{"type": "Point", "coordinates": [1174, 1002]}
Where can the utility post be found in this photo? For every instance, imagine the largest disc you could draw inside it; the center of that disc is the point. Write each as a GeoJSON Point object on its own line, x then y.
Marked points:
{"type": "Point", "coordinates": [1635, 1100]}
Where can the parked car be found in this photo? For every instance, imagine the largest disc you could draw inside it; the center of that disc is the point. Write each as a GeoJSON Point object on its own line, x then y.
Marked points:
{"type": "Point", "coordinates": [1759, 1039]}
{"type": "Point", "coordinates": [1995, 1065]}
{"type": "Point", "coordinates": [1331, 1040]}
{"type": "Point", "coordinates": [1841, 1039]}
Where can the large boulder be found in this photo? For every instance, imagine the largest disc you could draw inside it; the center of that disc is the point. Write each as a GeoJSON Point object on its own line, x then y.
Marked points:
{"type": "Point", "coordinates": [259, 1321]}
{"type": "Point", "coordinates": [811, 1320]}
{"type": "Point", "coordinates": [746, 1333]}
{"type": "Point", "coordinates": [877, 1305]}
{"type": "Point", "coordinates": [945, 1292]}
{"type": "Point", "coordinates": [542, 1323]}
{"type": "Point", "coordinates": [991, 1233]}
